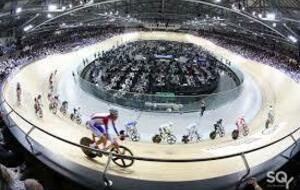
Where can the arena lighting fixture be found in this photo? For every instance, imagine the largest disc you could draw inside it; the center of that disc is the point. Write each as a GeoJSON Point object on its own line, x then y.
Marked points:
{"type": "Point", "coordinates": [52, 7]}
{"type": "Point", "coordinates": [26, 28]}
{"type": "Point", "coordinates": [274, 24]}
{"type": "Point", "coordinates": [218, 1]}
{"type": "Point", "coordinates": [70, 6]}
{"type": "Point", "coordinates": [49, 15]}
{"type": "Point", "coordinates": [270, 16]}
{"type": "Point", "coordinates": [293, 39]}
{"type": "Point", "coordinates": [18, 10]}
{"type": "Point", "coordinates": [57, 32]}
{"type": "Point", "coordinates": [63, 8]}
{"type": "Point", "coordinates": [253, 13]}
{"type": "Point", "coordinates": [62, 25]}
{"type": "Point", "coordinates": [260, 15]}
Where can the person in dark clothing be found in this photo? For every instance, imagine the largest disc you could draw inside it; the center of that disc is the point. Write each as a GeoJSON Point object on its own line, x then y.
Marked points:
{"type": "Point", "coordinates": [202, 108]}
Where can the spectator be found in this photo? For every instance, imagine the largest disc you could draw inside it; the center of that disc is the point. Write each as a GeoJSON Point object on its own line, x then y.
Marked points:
{"type": "Point", "coordinates": [253, 182]}
{"type": "Point", "coordinates": [10, 181]}
{"type": "Point", "coordinates": [202, 107]}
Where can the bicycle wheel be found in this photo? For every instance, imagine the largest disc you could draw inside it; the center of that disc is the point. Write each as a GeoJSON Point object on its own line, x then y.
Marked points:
{"type": "Point", "coordinates": [212, 135]}
{"type": "Point", "coordinates": [40, 113]}
{"type": "Point", "coordinates": [78, 121]}
{"type": "Point", "coordinates": [50, 107]}
{"type": "Point", "coordinates": [85, 141]}
{"type": "Point", "coordinates": [245, 131]}
{"type": "Point", "coordinates": [235, 134]}
{"type": "Point", "coordinates": [199, 138]}
{"type": "Point", "coordinates": [185, 139]}
{"type": "Point", "coordinates": [122, 150]}
{"type": "Point", "coordinates": [54, 110]}
{"type": "Point", "coordinates": [136, 137]}
{"type": "Point", "coordinates": [63, 110]}
{"type": "Point", "coordinates": [171, 139]}
{"type": "Point", "coordinates": [156, 139]}
{"type": "Point", "coordinates": [222, 133]}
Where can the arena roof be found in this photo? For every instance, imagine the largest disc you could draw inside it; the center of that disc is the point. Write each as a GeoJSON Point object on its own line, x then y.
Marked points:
{"type": "Point", "coordinates": [279, 19]}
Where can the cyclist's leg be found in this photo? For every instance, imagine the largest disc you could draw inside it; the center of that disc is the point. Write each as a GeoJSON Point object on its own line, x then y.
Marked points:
{"type": "Point", "coordinates": [96, 133]}
{"type": "Point", "coordinates": [94, 137]}
{"type": "Point", "coordinates": [267, 124]}
{"type": "Point", "coordinates": [102, 140]}
{"type": "Point", "coordinates": [99, 131]}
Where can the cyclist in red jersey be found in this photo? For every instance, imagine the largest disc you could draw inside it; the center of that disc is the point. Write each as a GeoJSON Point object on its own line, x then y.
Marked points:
{"type": "Point", "coordinates": [99, 124]}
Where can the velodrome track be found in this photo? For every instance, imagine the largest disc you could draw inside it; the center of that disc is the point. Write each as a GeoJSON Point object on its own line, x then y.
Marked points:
{"type": "Point", "coordinates": [276, 89]}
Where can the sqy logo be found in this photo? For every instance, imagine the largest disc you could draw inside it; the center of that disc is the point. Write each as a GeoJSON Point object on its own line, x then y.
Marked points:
{"type": "Point", "coordinates": [280, 177]}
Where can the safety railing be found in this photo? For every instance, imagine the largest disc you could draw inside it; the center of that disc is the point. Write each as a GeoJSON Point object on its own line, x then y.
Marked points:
{"type": "Point", "coordinates": [110, 154]}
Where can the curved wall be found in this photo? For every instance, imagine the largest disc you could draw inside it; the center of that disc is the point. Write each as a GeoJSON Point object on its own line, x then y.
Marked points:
{"type": "Point", "coordinates": [150, 102]}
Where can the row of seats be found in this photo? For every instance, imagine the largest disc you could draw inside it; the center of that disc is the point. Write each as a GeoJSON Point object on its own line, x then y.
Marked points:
{"type": "Point", "coordinates": [148, 67]}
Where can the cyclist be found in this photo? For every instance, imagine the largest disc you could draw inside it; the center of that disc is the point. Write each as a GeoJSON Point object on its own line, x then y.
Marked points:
{"type": "Point", "coordinates": [241, 122]}
{"type": "Point", "coordinates": [38, 104]}
{"type": "Point", "coordinates": [19, 93]}
{"type": "Point", "coordinates": [270, 119]}
{"type": "Point", "coordinates": [219, 125]}
{"type": "Point", "coordinates": [99, 124]}
{"type": "Point", "coordinates": [64, 107]}
{"type": "Point", "coordinates": [192, 129]}
{"type": "Point", "coordinates": [76, 114]}
{"type": "Point", "coordinates": [131, 126]}
{"type": "Point", "coordinates": [54, 102]}
{"type": "Point", "coordinates": [166, 128]}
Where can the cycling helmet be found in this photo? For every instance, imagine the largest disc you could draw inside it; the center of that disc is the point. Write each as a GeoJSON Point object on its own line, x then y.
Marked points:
{"type": "Point", "coordinates": [113, 111]}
